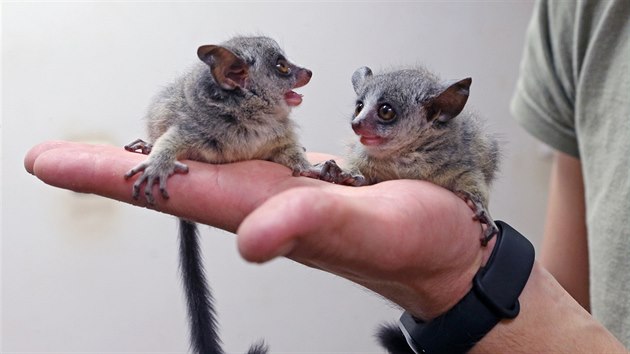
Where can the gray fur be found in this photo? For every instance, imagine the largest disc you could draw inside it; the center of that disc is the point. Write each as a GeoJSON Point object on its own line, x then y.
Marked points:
{"type": "Point", "coordinates": [195, 118]}
{"type": "Point", "coordinates": [231, 106]}
{"type": "Point", "coordinates": [457, 154]}
{"type": "Point", "coordinates": [430, 139]}
{"type": "Point", "coordinates": [359, 77]}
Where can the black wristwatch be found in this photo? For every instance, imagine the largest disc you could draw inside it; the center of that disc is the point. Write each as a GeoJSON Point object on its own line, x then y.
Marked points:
{"type": "Point", "coordinates": [494, 296]}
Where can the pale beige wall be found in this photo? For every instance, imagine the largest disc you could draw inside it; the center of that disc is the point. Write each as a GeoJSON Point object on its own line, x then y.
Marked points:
{"type": "Point", "coordinates": [85, 274]}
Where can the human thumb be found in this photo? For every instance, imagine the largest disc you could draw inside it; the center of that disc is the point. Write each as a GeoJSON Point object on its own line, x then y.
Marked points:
{"type": "Point", "coordinates": [276, 227]}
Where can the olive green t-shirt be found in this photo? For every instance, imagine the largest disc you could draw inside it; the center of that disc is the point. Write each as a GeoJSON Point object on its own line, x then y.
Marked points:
{"type": "Point", "coordinates": [574, 94]}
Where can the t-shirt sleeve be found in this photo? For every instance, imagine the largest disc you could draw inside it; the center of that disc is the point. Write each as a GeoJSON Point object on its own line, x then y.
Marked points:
{"type": "Point", "coordinates": [543, 102]}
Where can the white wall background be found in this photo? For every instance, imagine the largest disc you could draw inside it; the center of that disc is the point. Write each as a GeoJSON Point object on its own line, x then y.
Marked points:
{"type": "Point", "coordinates": [82, 274]}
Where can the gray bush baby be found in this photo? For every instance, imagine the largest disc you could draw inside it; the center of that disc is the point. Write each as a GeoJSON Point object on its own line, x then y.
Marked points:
{"type": "Point", "coordinates": [232, 106]}
{"type": "Point", "coordinates": [404, 120]}
{"type": "Point", "coordinates": [406, 128]}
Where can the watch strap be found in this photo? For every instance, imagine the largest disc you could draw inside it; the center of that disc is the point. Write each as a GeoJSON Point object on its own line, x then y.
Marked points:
{"type": "Point", "coordinates": [493, 297]}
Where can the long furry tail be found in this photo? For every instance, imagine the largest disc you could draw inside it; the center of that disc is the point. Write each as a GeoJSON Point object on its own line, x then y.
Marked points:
{"type": "Point", "coordinates": [204, 336]}
{"type": "Point", "coordinates": [204, 333]}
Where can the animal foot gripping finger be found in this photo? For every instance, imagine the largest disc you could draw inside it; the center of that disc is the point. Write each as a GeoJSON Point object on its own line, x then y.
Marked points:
{"type": "Point", "coordinates": [326, 171]}
{"type": "Point", "coordinates": [139, 168]}
{"type": "Point", "coordinates": [491, 230]}
{"type": "Point", "coordinates": [152, 175]}
{"type": "Point", "coordinates": [139, 146]}
{"type": "Point", "coordinates": [481, 214]}
{"type": "Point", "coordinates": [329, 171]}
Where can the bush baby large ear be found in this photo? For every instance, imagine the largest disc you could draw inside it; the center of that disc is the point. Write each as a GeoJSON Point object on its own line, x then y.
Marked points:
{"type": "Point", "coordinates": [359, 77]}
{"type": "Point", "coordinates": [450, 102]}
{"type": "Point", "coordinates": [229, 71]}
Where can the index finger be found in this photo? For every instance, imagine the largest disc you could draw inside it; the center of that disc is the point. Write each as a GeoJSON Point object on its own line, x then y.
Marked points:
{"type": "Point", "coordinates": [217, 195]}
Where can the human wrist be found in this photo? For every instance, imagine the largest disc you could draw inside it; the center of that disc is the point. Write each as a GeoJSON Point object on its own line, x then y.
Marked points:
{"type": "Point", "coordinates": [550, 320]}
{"type": "Point", "coordinates": [496, 338]}
{"type": "Point", "coordinates": [447, 286]}
{"type": "Point", "coordinates": [495, 294]}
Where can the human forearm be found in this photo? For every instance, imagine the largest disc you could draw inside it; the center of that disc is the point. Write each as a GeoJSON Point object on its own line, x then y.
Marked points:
{"type": "Point", "coordinates": [564, 251]}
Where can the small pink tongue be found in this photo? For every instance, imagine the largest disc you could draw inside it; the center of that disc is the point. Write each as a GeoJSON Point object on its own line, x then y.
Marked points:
{"type": "Point", "coordinates": [293, 98]}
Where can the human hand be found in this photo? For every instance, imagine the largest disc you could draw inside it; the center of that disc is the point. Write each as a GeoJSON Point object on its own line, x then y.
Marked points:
{"type": "Point", "coordinates": [411, 241]}
{"type": "Point", "coordinates": [237, 188]}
